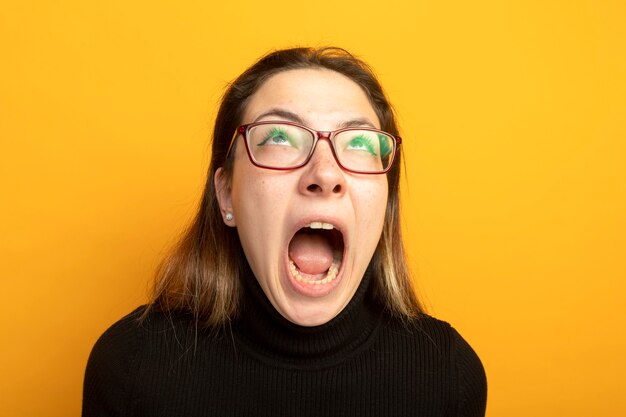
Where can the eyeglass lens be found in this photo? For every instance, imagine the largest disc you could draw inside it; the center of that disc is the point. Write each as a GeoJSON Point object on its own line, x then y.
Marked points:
{"type": "Point", "coordinates": [279, 145]}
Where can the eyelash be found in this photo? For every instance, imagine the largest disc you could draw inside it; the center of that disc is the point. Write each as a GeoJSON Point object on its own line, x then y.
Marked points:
{"type": "Point", "coordinates": [272, 134]}
{"type": "Point", "coordinates": [385, 150]}
{"type": "Point", "coordinates": [365, 142]}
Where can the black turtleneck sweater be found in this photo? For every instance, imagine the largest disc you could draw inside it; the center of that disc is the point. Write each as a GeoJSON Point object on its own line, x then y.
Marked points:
{"type": "Point", "coordinates": [361, 363]}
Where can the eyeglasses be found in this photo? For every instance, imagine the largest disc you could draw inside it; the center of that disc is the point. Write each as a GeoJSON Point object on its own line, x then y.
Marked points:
{"type": "Point", "coordinates": [286, 145]}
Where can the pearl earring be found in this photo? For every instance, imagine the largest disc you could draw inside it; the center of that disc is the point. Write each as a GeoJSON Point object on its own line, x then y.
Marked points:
{"type": "Point", "coordinates": [229, 216]}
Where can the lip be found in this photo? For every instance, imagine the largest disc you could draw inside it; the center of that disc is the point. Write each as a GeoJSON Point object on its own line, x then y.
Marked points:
{"type": "Point", "coordinates": [316, 290]}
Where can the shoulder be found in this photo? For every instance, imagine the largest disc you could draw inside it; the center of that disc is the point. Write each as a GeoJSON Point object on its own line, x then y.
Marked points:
{"type": "Point", "coordinates": [442, 351]}
{"type": "Point", "coordinates": [120, 332]}
{"type": "Point", "coordinates": [120, 342]}
{"type": "Point", "coordinates": [117, 355]}
{"type": "Point", "coordinates": [428, 331]}
{"type": "Point", "coordinates": [108, 373]}
{"type": "Point", "coordinates": [126, 337]}
{"type": "Point", "coordinates": [471, 380]}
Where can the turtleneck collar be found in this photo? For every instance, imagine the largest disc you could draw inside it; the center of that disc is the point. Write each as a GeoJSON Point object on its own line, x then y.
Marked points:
{"type": "Point", "coordinates": [270, 336]}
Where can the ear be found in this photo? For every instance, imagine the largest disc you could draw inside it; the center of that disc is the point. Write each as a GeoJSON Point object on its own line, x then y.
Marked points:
{"type": "Point", "coordinates": [224, 197]}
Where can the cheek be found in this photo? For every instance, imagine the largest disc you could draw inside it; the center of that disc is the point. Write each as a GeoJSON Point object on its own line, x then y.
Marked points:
{"type": "Point", "coordinates": [370, 208]}
{"type": "Point", "coordinates": [371, 201]}
{"type": "Point", "coordinates": [258, 202]}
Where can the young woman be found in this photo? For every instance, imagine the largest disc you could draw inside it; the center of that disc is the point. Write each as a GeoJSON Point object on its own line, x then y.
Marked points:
{"type": "Point", "coordinates": [289, 294]}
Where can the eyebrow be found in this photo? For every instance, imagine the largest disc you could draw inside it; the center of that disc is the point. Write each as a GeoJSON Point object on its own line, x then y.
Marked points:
{"type": "Point", "coordinates": [360, 122]}
{"type": "Point", "coordinates": [293, 117]}
{"type": "Point", "coordinates": [283, 114]}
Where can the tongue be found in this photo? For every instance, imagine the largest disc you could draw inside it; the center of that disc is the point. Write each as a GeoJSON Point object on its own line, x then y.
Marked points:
{"type": "Point", "coordinates": [311, 253]}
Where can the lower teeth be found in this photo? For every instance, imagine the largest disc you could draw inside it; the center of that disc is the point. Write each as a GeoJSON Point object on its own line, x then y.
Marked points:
{"type": "Point", "coordinates": [331, 274]}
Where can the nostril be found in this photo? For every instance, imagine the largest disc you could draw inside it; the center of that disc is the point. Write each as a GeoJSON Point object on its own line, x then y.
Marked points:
{"type": "Point", "coordinates": [316, 188]}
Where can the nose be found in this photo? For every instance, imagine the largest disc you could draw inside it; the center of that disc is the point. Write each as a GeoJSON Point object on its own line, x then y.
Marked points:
{"type": "Point", "coordinates": [322, 175]}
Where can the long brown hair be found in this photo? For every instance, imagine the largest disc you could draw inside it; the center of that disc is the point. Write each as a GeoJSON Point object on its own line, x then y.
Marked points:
{"type": "Point", "coordinates": [202, 274]}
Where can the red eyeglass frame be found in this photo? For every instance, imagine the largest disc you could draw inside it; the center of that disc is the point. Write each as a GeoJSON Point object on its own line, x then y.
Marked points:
{"type": "Point", "coordinates": [317, 135]}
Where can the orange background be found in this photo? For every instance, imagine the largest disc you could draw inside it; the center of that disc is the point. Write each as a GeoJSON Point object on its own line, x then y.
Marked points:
{"type": "Point", "coordinates": [513, 115]}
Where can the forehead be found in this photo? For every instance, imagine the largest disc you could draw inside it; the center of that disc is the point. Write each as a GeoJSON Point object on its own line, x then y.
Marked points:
{"type": "Point", "coordinates": [320, 97]}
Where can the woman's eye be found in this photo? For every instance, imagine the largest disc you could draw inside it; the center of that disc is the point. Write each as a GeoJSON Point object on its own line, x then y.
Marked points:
{"type": "Point", "coordinates": [276, 137]}
{"type": "Point", "coordinates": [361, 143]}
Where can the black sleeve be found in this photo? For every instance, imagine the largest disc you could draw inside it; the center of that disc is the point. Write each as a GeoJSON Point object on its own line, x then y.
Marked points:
{"type": "Point", "coordinates": [471, 379]}
{"type": "Point", "coordinates": [111, 369]}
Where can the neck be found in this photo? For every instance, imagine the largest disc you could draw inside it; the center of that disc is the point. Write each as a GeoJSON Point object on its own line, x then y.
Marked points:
{"type": "Point", "coordinates": [262, 328]}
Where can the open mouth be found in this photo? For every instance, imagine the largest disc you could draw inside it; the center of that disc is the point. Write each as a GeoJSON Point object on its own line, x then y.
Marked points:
{"type": "Point", "coordinates": [315, 253]}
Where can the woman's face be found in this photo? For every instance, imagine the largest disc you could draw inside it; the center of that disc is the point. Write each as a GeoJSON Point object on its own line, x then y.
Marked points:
{"type": "Point", "coordinates": [283, 218]}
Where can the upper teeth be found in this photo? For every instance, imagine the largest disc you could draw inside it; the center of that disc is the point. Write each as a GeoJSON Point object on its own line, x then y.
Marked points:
{"type": "Point", "coordinates": [320, 225]}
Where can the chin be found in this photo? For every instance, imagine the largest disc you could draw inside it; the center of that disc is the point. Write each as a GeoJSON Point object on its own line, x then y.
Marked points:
{"type": "Point", "coordinates": [316, 304]}
{"type": "Point", "coordinates": [310, 315]}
